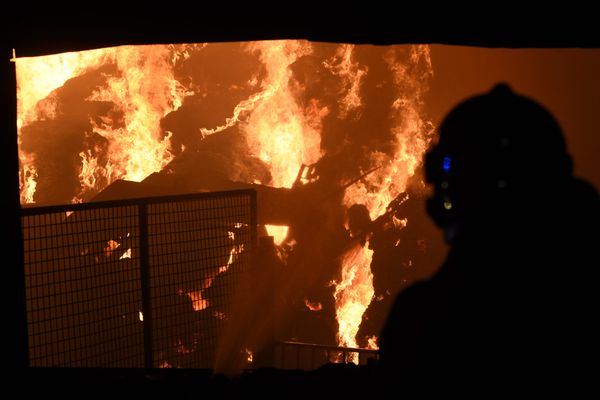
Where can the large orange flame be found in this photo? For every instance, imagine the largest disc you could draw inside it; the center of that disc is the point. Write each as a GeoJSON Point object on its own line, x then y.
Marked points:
{"type": "Point", "coordinates": [144, 90]}
{"type": "Point", "coordinates": [278, 130]}
{"type": "Point", "coordinates": [37, 77]}
{"type": "Point", "coordinates": [411, 135]}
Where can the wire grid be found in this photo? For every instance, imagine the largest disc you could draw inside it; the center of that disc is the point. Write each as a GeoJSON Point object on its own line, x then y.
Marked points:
{"type": "Point", "coordinates": [199, 251]}
{"type": "Point", "coordinates": [92, 270]}
{"type": "Point", "coordinates": [83, 286]}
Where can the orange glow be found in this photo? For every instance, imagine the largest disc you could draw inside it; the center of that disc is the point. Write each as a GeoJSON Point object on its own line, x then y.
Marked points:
{"type": "Point", "coordinates": [233, 256]}
{"type": "Point", "coordinates": [111, 246]}
{"type": "Point", "coordinates": [353, 294]}
{"type": "Point", "coordinates": [279, 132]}
{"type": "Point", "coordinates": [351, 73]}
{"type": "Point", "coordinates": [411, 137]}
{"type": "Point", "coordinates": [220, 315]}
{"type": "Point", "coordinates": [181, 348]}
{"type": "Point", "coordinates": [198, 302]}
{"type": "Point", "coordinates": [313, 305]}
{"type": "Point", "coordinates": [249, 356]}
{"type": "Point", "coordinates": [37, 77]}
{"type": "Point", "coordinates": [144, 90]}
{"type": "Point", "coordinates": [27, 178]}
{"type": "Point", "coordinates": [279, 233]}
{"type": "Point", "coordinates": [372, 343]}
{"type": "Point", "coordinates": [127, 254]}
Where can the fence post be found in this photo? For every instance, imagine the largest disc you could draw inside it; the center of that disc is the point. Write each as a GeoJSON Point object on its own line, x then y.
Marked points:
{"type": "Point", "coordinates": [145, 283]}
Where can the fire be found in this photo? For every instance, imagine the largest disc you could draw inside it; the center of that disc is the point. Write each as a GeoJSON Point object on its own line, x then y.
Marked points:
{"type": "Point", "coordinates": [279, 233]}
{"type": "Point", "coordinates": [198, 302]}
{"type": "Point", "coordinates": [126, 254]}
{"type": "Point", "coordinates": [37, 77]}
{"type": "Point", "coordinates": [249, 355]}
{"type": "Point", "coordinates": [372, 343]}
{"type": "Point", "coordinates": [233, 256]}
{"type": "Point", "coordinates": [313, 305]}
{"type": "Point", "coordinates": [353, 294]}
{"type": "Point", "coordinates": [279, 132]}
{"type": "Point", "coordinates": [145, 92]}
{"type": "Point", "coordinates": [411, 135]}
{"type": "Point", "coordinates": [351, 73]}
{"type": "Point", "coordinates": [27, 178]}
{"type": "Point", "coordinates": [111, 246]}
{"type": "Point", "coordinates": [143, 89]}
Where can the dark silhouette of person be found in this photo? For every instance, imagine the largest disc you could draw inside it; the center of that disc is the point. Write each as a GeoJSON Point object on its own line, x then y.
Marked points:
{"type": "Point", "coordinates": [514, 303]}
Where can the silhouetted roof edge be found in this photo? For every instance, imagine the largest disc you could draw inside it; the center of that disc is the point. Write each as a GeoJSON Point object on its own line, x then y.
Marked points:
{"type": "Point", "coordinates": [34, 35]}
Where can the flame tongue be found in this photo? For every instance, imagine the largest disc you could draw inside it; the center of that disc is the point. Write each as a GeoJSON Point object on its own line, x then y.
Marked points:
{"type": "Point", "coordinates": [37, 77]}
{"type": "Point", "coordinates": [411, 135]}
{"type": "Point", "coordinates": [354, 293]}
{"type": "Point", "coordinates": [279, 132]}
{"type": "Point", "coordinates": [143, 90]}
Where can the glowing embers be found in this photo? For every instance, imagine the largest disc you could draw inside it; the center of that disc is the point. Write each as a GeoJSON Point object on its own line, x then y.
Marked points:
{"type": "Point", "coordinates": [249, 356]}
{"type": "Point", "coordinates": [111, 245]}
{"type": "Point", "coordinates": [372, 343]}
{"type": "Point", "coordinates": [313, 305]}
{"type": "Point", "coordinates": [195, 296]}
{"type": "Point", "coordinates": [126, 254]}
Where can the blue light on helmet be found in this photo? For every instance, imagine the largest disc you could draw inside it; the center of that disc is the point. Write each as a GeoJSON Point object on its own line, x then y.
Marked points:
{"type": "Point", "coordinates": [447, 162]}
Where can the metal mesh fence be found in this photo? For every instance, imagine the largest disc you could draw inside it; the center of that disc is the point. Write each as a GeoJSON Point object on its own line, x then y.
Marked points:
{"type": "Point", "coordinates": [134, 283]}
{"type": "Point", "coordinates": [198, 251]}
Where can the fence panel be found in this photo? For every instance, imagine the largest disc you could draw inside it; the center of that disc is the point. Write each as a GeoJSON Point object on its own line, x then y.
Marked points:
{"type": "Point", "coordinates": [133, 283]}
{"type": "Point", "coordinates": [199, 250]}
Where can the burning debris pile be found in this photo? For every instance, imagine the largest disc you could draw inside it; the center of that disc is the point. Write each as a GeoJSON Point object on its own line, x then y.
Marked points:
{"type": "Point", "coordinates": [317, 129]}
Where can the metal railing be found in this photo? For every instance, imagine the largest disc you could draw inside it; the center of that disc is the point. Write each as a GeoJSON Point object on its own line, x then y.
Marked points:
{"type": "Point", "coordinates": [308, 356]}
{"type": "Point", "coordinates": [135, 283]}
